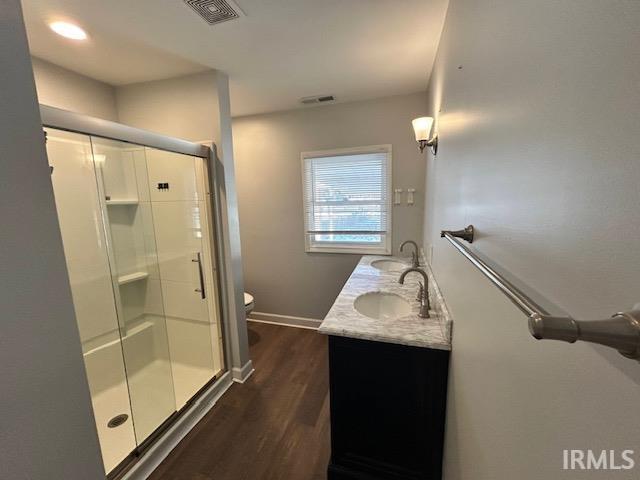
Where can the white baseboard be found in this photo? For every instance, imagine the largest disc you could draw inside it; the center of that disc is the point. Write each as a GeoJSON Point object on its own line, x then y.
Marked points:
{"type": "Point", "coordinates": [152, 458]}
{"type": "Point", "coordinates": [240, 375]}
{"type": "Point", "coordinates": [286, 320]}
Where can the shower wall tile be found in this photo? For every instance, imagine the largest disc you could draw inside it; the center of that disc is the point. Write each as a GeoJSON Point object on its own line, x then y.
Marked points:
{"type": "Point", "coordinates": [176, 170]}
{"type": "Point", "coordinates": [178, 239]}
{"type": "Point", "coordinates": [118, 169]}
{"type": "Point", "coordinates": [192, 359]}
{"type": "Point", "coordinates": [182, 301]}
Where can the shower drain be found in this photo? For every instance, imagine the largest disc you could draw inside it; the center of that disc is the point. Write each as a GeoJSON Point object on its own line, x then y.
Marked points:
{"type": "Point", "coordinates": [117, 420]}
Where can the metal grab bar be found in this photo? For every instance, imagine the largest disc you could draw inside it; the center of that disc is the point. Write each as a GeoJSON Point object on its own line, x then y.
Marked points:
{"type": "Point", "coordinates": [621, 331]}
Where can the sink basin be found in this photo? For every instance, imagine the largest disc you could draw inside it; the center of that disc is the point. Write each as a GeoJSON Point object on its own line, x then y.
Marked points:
{"type": "Point", "coordinates": [389, 265]}
{"type": "Point", "coordinates": [382, 306]}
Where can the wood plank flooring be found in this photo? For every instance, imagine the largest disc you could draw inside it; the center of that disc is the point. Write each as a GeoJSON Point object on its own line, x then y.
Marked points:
{"type": "Point", "coordinates": [274, 426]}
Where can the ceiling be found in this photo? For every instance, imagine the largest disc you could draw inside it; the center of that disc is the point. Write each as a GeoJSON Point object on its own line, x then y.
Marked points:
{"type": "Point", "coordinates": [280, 51]}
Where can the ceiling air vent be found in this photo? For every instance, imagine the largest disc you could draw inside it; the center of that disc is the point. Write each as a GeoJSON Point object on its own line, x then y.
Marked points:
{"type": "Point", "coordinates": [317, 99]}
{"type": "Point", "coordinates": [215, 11]}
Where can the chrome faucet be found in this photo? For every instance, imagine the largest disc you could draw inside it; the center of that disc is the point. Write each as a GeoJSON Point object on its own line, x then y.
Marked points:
{"type": "Point", "coordinates": [414, 255]}
{"type": "Point", "coordinates": [423, 291]}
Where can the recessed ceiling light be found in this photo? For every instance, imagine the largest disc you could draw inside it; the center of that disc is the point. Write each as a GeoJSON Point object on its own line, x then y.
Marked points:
{"type": "Point", "coordinates": [68, 30]}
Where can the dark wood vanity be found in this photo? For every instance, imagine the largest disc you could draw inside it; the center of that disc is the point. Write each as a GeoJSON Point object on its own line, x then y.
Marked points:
{"type": "Point", "coordinates": [388, 404]}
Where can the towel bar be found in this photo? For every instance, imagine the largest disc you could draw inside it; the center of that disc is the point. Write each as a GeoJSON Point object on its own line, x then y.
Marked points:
{"type": "Point", "coordinates": [621, 331]}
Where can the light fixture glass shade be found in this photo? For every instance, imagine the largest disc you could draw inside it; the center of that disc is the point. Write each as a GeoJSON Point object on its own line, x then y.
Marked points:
{"type": "Point", "coordinates": [422, 127]}
{"type": "Point", "coordinates": [68, 30]}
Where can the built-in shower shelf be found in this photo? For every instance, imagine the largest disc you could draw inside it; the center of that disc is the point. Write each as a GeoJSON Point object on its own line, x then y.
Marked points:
{"type": "Point", "coordinates": [122, 201]}
{"type": "Point", "coordinates": [132, 277]}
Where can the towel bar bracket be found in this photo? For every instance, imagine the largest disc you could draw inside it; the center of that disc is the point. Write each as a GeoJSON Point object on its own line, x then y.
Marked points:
{"type": "Point", "coordinates": [465, 234]}
{"type": "Point", "coordinates": [621, 331]}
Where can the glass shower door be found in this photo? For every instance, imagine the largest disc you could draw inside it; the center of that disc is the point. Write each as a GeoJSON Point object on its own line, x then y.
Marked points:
{"type": "Point", "coordinates": [83, 236]}
{"type": "Point", "coordinates": [122, 182]}
{"type": "Point", "coordinates": [178, 195]}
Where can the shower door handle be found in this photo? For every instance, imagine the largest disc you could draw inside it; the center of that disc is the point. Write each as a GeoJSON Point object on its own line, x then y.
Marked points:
{"type": "Point", "coordinates": [198, 260]}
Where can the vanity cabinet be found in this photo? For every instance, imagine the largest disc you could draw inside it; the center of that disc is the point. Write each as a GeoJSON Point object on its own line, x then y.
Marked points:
{"type": "Point", "coordinates": [388, 404]}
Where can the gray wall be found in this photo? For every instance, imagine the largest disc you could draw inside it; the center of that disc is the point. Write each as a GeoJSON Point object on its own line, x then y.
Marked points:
{"type": "Point", "coordinates": [540, 140]}
{"type": "Point", "coordinates": [68, 90]}
{"type": "Point", "coordinates": [46, 429]}
{"type": "Point", "coordinates": [184, 107]}
{"type": "Point", "coordinates": [233, 275]}
{"type": "Point", "coordinates": [282, 277]}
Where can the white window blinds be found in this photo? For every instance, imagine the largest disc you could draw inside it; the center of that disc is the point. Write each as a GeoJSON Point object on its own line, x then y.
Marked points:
{"type": "Point", "coordinates": [347, 200]}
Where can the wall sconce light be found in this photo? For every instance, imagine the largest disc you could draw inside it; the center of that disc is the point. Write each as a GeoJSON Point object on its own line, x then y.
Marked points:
{"type": "Point", "coordinates": [422, 128]}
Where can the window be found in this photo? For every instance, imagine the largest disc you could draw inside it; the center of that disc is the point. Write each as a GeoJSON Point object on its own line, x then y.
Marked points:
{"type": "Point", "coordinates": [347, 200]}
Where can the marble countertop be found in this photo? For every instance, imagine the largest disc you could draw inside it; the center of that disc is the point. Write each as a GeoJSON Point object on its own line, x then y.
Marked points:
{"type": "Point", "coordinates": [343, 319]}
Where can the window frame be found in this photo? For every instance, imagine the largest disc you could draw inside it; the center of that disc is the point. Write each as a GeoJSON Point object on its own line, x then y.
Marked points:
{"type": "Point", "coordinates": [335, 247]}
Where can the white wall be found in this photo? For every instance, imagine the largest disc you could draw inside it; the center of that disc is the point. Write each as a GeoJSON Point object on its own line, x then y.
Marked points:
{"type": "Point", "coordinates": [62, 88]}
{"type": "Point", "coordinates": [537, 106]}
{"type": "Point", "coordinates": [281, 276]}
{"type": "Point", "coordinates": [47, 428]}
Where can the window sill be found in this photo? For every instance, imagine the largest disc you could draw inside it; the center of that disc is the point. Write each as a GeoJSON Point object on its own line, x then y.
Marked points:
{"type": "Point", "coordinates": [350, 250]}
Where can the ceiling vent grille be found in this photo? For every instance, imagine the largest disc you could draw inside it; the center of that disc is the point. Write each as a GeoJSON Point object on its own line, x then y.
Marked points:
{"type": "Point", "coordinates": [317, 99]}
{"type": "Point", "coordinates": [215, 11]}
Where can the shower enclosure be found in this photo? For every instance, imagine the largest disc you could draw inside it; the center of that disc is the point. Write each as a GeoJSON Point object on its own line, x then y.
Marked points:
{"type": "Point", "coordinates": [137, 230]}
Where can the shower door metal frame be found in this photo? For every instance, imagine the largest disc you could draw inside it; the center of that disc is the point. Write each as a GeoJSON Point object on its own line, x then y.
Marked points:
{"type": "Point", "coordinates": [83, 124]}
{"type": "Point", "coordinates": [74, 122]}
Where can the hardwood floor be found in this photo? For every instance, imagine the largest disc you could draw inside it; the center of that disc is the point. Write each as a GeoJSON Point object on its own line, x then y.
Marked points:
{"type": "Point", "coordinates": [274, 426]}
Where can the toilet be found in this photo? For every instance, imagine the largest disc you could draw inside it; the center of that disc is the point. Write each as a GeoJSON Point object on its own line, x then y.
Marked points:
{"type": "Point", "coordinates": [248, 303]}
